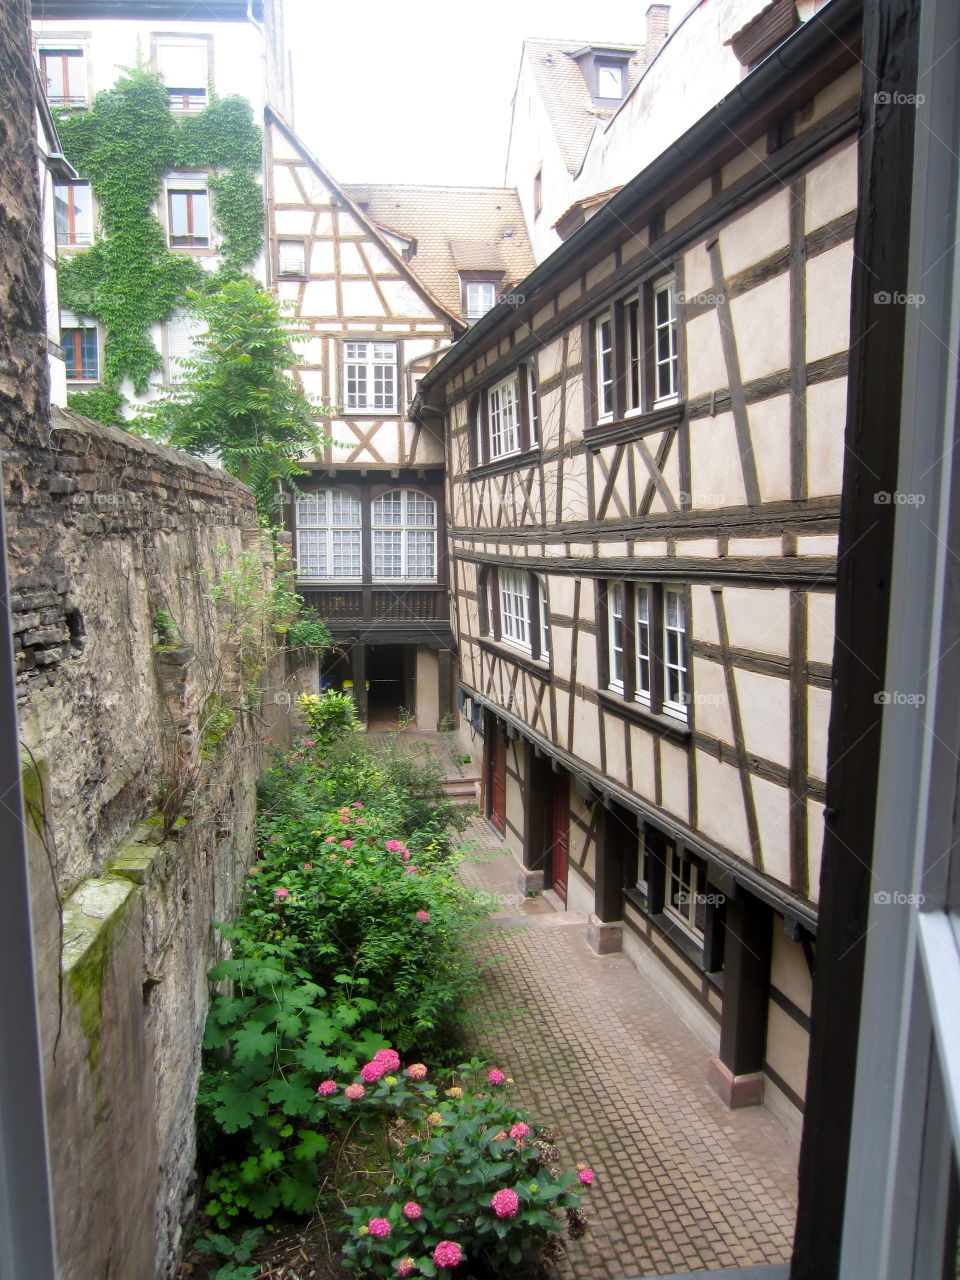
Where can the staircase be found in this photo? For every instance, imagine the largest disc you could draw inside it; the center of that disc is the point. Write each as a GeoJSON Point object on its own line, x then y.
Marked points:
{"type": "Point", "coordinates": [463, 789]}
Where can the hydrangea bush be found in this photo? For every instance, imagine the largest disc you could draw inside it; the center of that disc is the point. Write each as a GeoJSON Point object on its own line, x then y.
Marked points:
{"type": "Point", "coordinates": [475, 1183]}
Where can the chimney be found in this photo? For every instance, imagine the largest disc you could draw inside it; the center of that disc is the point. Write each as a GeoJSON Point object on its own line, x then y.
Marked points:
{"type": "Point", "coordinates": [658, 28]}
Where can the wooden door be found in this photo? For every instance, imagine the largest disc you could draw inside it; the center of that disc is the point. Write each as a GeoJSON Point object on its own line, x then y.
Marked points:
{"type": "Point", "coordinates": [560, 835]}
{"type": "Point", "coordinates": [498, 777]}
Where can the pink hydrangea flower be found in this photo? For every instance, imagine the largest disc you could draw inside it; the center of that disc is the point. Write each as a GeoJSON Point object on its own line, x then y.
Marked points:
{"type": "Point", "coordinates": [358, 805]}
{"type": "Point", "coordinates": [520, 1130]}
{"type": "Point", "coordinates": [331, 840]}
{"type": "Point", "coordinates": [422, 916]}
{"type": "Point", "coordinates": [409, 871]}
{"type": "Point", "coordinates": [281, 892]}
{"type": "Point", "coordinates": [308, 866]}
{"type": "Point", "coordinates": [496, 1076]}
{"type": "Point", "coordinates": [405, 1266]}
{"type": "Point", "coordinates": [412, 1210]}
{"type": "Point", "coordinates": [379, 1227]}
{"type": "Point", "coordinates": [586, 1177]}
{"type": "Point", "coordinates": [394, 846]}
{"type": "Point", "coordinates": [407, 855]}
{"type": "Point", "coordinates": [372, 1072]}
{"type": "Point", "coordinates": [389, 1057]}
{"type": "Point", "coordinates": [354, 1092]}
{"type": "Point", "coordinates": [348, 862]}
{"type": "Point", "coordinates": [346, 844]}
{"type": "Point", "coordinates": [505, 1202]}
{"type": "Point", "coordinates": [326, 1088]}
{"type": "Point", "coordinates": [309, 742]}
{"type": "Point", "coordinates": [417, 1071]}
{"type": "Point", "coordinates": [343, 817]}
{"type": "Point", "coordinates": [448, 1254]}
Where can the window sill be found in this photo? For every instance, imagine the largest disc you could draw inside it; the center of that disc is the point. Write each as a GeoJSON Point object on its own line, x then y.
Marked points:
{"type": "Point", "coordinates": [522, 657]}
{"type": "Point", "coordinates": [633, 426]}
{"type": "Point", "coordinates": [665, 725]}
{"type": "Point", "coordinates": [506, 463]}
{"type": "Point", "coordinates": [668, 929]}
{"type": "Point", "coordinates": [369, 413]}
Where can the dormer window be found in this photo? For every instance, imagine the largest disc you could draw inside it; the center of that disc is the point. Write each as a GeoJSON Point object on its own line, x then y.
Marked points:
{"type": "Point", "coordinates": [609, 79]}
{"type": "Point", "coordinates": [479, 296]}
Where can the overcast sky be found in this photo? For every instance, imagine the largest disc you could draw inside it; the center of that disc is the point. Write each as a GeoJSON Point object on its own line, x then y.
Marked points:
{"type": "Point", "coordinates": [420, 92]}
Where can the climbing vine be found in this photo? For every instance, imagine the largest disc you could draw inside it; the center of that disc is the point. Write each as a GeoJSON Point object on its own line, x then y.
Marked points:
{"type": "Point", "coordinates": [129, 280]}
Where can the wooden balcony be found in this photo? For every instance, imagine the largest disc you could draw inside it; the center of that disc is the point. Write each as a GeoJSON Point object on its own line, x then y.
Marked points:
{"type": "Point", "coordinates": [410, 610]}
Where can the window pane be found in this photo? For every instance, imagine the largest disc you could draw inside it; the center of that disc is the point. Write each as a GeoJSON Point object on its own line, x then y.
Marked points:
{"type": "Point", "coordinates": [387, 553]}
{"type": "Point", "coordinates": [292, 257]}
{"type": "Point", "coordinates": [311, 551]}
{"type": "Point", "coordinates": [344, 510]}
{"type": "Point", "coordinates": [515, 607]}
{"type": "Point", "coordinates": [642, 607]}
{"type": "Point", "coordinates": [504, 436]}
{"type": "Point", "coordinates": [674, 656]}
{"type": "Point", "coordinates": [312, 511]}
{"type": "Point", "coordinates": [346, 553]}
{"type": "Point", "coordinates": [609, 81]}
{"type": "Point", "coordinates": [615, 596]}
{"type": "Point", "coordinates": [421, 553]}
{"type": "Point", "coordinates": [388, 509]}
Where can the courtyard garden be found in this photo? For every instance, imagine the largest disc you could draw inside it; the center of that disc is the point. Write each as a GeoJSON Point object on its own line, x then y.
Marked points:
{"type": "Point", "coordinates": [340, 1117]}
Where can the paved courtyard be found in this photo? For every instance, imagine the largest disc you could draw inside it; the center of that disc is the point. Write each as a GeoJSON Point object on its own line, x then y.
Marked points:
{"type": "Point", "coordinates": [683, 1184]}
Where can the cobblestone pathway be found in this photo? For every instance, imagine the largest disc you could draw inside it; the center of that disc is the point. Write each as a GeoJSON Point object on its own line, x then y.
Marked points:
{"type": "Point", "coordinates": [683, 1184]}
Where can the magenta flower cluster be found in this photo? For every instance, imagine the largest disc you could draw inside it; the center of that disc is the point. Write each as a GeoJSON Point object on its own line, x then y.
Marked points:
{"type": "Point", "coordinates": [372, 1072]}
{"type": "Point", "coordinates": [505, 1202]}
{"type": "Point", "coordinates": [379, 1227]}
{"type": "Point", "coordinates": [412, 1210]}
{"type": "Point", "coordinates": [496, 1076]}
{"type": "Point", "coordinates": [448, 1254]}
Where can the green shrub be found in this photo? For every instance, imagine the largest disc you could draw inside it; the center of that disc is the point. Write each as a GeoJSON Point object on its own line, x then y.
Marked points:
{"type": "Point", "coordinates": [330, 716]}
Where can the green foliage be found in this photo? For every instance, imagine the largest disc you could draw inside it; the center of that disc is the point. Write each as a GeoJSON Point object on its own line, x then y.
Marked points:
{"type": "Point", "coordinates": [128, 279]}
{"type": "Point", "coordinates": [237, 1252]}
{"type": "Point", "coordinates": [237, 398]}
{"type": "Point", "coordinates": [309, 632]}
{"type": "Point", "coordinates": [330, 716]}
{"type": "Point", "coordinates": [103, 404]}
{"type": "Point", "coordinates": [465, 1149]}
{"type": "Point", "coordinates": [167, 634]}
{"type": "Point", "coordinates": [271, 1039]}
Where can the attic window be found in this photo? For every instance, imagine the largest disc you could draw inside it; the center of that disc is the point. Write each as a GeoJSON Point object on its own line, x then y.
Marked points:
{"type": "Point", "coordinates": [609, 79]}
{"type": "Point", "coordinates": [479, 297]}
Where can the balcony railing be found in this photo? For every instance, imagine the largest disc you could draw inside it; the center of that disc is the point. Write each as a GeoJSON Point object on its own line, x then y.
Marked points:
{"type": "Point", "coordinates": [378, 604]}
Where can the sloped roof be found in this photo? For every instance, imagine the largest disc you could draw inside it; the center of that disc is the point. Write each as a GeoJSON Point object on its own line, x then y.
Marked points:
{"type": "Point", "coordinates": [452, 226]}
{"type": "Point", "coordinates": [563, 90]}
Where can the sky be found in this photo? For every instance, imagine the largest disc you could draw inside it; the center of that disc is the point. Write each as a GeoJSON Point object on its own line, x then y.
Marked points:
{"type": "Point", "coordinates": [420, 92]}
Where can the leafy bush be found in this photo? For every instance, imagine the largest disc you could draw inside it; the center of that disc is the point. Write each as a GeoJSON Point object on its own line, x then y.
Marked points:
{"type": "Point", "coordinates": [477, 1181]}
{"type": "Point", "coordinates": [330, 716]}
{"type": "Point", "coordinates": [309, 632]}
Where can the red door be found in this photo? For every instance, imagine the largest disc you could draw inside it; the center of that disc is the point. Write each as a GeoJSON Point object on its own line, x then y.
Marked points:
{"type": "Point", "coordinates": [498, 777]}
{"type": "Point", "coordinates": [560, 835]}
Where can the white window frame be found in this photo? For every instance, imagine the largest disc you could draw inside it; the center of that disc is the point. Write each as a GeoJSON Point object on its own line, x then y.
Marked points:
{"type": "Point", "coordinates": [503, 404]}
{"type": "Point", "coordinates": [684, 877]}
{"type": "Point", "coordinates": [327, 536]}
{"type": "Point", "coordinates": [290, 262]}
{"type": "Point", "coordinates": [605, 386]}
{"type": "Point", "coordinates": [544, 607]}
{"type": "Point", "coordinates": [514, 589]}
{"type": "Point", "coordinates": [417, 524]}
{"type": "Point", "coordinates": [366, 361]}
{"type": "Point", "coordinates": [197, 95]}
{"type": "Point", "coordinates": [669, 366]}
{"type": "Point", "coordinates": [181, 333]}
{"type": "Point", "coordinates": [69, 321]}
{"type": "Point", "coordinates": [616, 622]}
{"type": "Point", "coordinates": [677, 665]}
{"type": "Point", "coordinates": [605, 65]}
{"type": "Point", "coordinates": [643, 652]}
{"type": "Point", "coordinates": [74, 50]}
{"type": "Point", "coordinates": [478, 290]}
{"type": "Point", "coordinates": [191, 184]}
{"type": "Point", "coordinates": [81, 237]}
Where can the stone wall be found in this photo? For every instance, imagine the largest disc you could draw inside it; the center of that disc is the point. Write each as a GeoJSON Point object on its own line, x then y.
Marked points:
{"type": "Point", "coordinates": [139, 840]}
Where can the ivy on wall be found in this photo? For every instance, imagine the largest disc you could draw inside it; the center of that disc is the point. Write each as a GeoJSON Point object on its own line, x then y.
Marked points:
{"type": "Point", "coordinates": [129, 280]}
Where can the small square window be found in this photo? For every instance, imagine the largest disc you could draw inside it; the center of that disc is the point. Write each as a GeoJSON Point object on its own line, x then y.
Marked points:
{"type": "Point", "coordinates": [184, 67]}
{"type": "Point", "coordinates": [64, 74]}
{"type": "Point", "coordinates": [81, 349]}
{"type": "Point", "coordinates": [73, 213]}
{"type": "Point", "coordinates": [479, 296]}
{"type": "Point", "coordinates": [292, 258]}
{"type": "Point", "coordinates": [188, 217]}
{"type": "Point", "coordinates": [609, 80]}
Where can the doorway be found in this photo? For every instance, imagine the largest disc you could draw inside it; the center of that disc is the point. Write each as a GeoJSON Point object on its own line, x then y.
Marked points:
{"type": "Point", "coordinates": [559, 835]}
{"type": "Point", "coordinates": [496, 748]}
{"type": "Point", "coordinates": [391, 680]}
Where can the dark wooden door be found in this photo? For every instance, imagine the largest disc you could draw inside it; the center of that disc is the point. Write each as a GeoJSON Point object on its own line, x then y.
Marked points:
{"type": "Point", "coordinates": [498, 778]}
{"type": "Point", "coordinates": [560, 835]}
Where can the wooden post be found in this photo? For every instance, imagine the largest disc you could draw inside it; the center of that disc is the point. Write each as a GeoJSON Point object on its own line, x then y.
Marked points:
{"type": "Point", "coordinates": [445, 690]}
{"type": "Point", "coordinates": [737, 1074]}
{"type": "Point", "coordinates": [605, 928]}
{"type": "Point", "coordinates": [359, 666]}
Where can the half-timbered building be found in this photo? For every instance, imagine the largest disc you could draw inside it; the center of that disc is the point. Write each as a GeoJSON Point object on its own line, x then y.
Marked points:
{"type": "Point", "coordinates": [645, 461]}
{"type": "Point", "coordinates": [377, 281]}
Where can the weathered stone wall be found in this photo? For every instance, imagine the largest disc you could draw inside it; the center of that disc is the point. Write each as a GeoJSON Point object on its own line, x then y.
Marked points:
{"type": "Point", "coordinates": [104, 530]}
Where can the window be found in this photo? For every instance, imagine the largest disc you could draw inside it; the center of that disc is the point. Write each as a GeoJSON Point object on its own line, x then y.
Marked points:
{"type": "Point", "coordinates": [182, 332]}
{"type": "Point", "coordinates": [685, 900]}
{"type": "Point", "coordinates": [184, 67]}
{"type": "Point", "coordinates": [328, 536]}
{"type": "Point", "coordinates": [81, 348]}
{"type": "Point", "coordinates": [73, 213]}
{"type": "Point", "coordinates": [603, 346]}
{"type": "Point", "coordinates": [370, 376]}
{"type": "Point", "coordinates": [64, 75]}
{"type": "Point", "coordinates": [646, 645]}
{"type": "Point", "coordinates": [641, 372]}
{"type": "Point", "coordinates": [188, 212]}
{"type": "Point", "coordinates": [292, 258]}
{"type": "Point", "coordinates": [478, 297]}
{"type": "Point", "coordinates": [405, 536]}
{"type": "Point", "coordinates": [609, 80]}
{"type": "Point", "coordinates": [538, 193]}
{"type": "Point", "coordinates": [514, 610]}
{"type": "Point", "coordinates": [506, 417]}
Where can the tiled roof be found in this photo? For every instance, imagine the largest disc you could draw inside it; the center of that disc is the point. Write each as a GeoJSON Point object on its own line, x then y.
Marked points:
{"type": "Point", "coordinates": [465, 228]}
{"type": "Point", "coordinates": [568, 102]}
